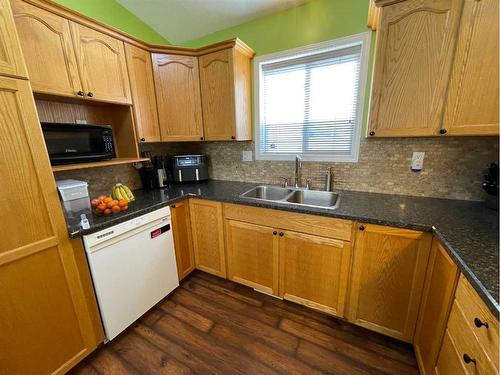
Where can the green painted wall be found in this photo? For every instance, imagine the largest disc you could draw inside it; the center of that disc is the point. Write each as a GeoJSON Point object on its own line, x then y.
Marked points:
{"type": "Point", "coordinates": [312, 22]}
{"type": "Point", "coordinates": [113, 14]}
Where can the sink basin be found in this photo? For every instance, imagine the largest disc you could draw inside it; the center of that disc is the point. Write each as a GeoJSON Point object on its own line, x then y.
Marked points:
{"type": "Point", "coordinates": [270, 193]}
{"type": "Point", "coordinates": [314, 198]}
{"type": "Point", "coordinates": [291, 196]}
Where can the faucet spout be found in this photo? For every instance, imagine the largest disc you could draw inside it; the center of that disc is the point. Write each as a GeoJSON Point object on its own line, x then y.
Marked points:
{"type": "Point", "coordinates": [298, 171]}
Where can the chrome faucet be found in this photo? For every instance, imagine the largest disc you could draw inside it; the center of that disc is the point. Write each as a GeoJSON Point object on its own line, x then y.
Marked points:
{"type": "Point", "coordinates": [298, 171]}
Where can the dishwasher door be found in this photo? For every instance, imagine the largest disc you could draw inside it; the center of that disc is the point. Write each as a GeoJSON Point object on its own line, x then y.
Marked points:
{"type": "Point", "coordinates": [132, 271]}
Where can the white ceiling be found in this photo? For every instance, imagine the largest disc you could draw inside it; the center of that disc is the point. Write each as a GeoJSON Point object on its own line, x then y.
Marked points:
{"type": "Point", "coordinates": [183, 20]}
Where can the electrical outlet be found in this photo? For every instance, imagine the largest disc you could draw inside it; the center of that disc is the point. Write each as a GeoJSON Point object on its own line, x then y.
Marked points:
{"type": "Point", "coordinates": [247, 156]}
{"type": "Point", "coordinates": [82, 122]}
{"type": "Point", "coordinates": [417, 161]}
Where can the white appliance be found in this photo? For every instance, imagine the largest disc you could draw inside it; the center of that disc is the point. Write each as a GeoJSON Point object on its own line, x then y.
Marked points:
{"type": "Point", "coordinates": [133, 267]}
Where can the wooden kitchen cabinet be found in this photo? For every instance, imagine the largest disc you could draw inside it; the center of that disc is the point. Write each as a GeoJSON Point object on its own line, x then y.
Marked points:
{"type": "Point", "coordinates": [252, 255]}
{"type": "Point", "coordinates": [46, 323]}
{"type": "Point", "coordinates": [102, 64]}
{"type": "Point", "coordinates": [388, 275]}
{"type": "Point", "coordinates": [183, 242]}
{"type": "Point", "coordinates": [208, 236]}
{"type": "Point", "coordinates": [11, 57]}
{"type": "Point", "coordinates": [314, 271]}
{"type": "Point", "coordinates": [48, 50]}
{"type": "Point", "coordinates": [439, 290]}
{"type": "Point", "coordinates": [140, 71]}
{"type": "Point", "coordinates": [178, 97]}
{"type": "Point", "coordinates": [472, 105]}
{"type": "Point", "coordinates": [226, 93]}
{"type": "Point", "coordinates": [414, 55]}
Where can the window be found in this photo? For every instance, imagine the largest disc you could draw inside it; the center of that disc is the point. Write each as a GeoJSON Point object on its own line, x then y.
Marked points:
{"type": "Point", "coordinates": [309, 101]}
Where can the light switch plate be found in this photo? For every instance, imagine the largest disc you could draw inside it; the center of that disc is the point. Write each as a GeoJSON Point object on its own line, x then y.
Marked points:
{"type": "Point", "coordinates": [417, 161]}
{"type": "Point", "coordinates": [247, 156]}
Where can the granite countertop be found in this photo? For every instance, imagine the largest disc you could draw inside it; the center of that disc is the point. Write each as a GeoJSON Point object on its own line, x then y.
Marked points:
{"type": "Point", "coordinates": [467, 230]}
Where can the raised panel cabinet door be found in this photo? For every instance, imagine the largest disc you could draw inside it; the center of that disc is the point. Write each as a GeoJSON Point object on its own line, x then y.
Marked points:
{"type": "Point", "coordinates": [439, 291]}
{"type": "Point", "coordinates": [217, 93]}
{"type": "Point", "coordinates": [177, 84]}
{"type": "Point", "coordinates": [415, 44]}
{"type": "Point", "coordinates": [102, 64]}
{"type": "Point", "coordinates": [208, 236]}
{"type": "Point", "coordinates": [140, 71]}
{"type": "Point", "coordinates": [44, 317]}
{"type": "Point", "coordinates": [48, 50]}
{"type": "Point", "coordinates": [252, 255]}
{"type": "Point", "coordinates": [11, 57]}
{"type": "Point", "coordinates": [314, 271]}
{"type": "Point", "coordinates": [183, 242]}
{"type": "Point", "coordinates": [472, 104]}
{"type": "Point", "coordinates": [388, 276]}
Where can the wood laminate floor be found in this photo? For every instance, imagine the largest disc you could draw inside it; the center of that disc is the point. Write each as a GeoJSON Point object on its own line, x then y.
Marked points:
{"type": "Point", "coordinates": [214, 326]}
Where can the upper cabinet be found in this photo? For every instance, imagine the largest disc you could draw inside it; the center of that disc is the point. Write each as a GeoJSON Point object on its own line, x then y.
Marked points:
{"type": "Point", "coordinates": [143, 94]}
{"type": "Point", "coordinates": [48, 50]}
{"type": "Point", "coordinates": [226, 94]}
{"type": "Point", "coordinates": [11, 58]}
{"type": "Point", "coordinates": [178, 97]}
{"type": "Point", "coordinates": [415, 43]}
{"type": "Point", "coordinates": [472, 103]}
{"type": "Point", "coordinates": [102, 64]}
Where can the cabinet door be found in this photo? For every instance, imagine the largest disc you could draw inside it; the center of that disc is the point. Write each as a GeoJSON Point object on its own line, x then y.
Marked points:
{"type": "Point", "coordinates": [48, 50]}
{"type": "Point", "coordinates": [208, 236]}
{"type": "Point", "coordinates": [387, 279]}
{"type": "Point", "coordinates": [181, 225]}
{"type": "Point", "coordinates": [102, 64]}
{"type": "Point", "coordinates": [45, 322]}
{"type": "Point", "coordinates": [415, 43]}
{"type": "Point", "coordinates": [439, 290]}
{"type": "Point", "coordinates": [472, 104]}
{"type": "Point", "coordinates": [252, 255]}
{"type": "Point", "coordinates": [11, 58]}
{"type": "Point", "coordinates": [314, 271]}
{"type": "Point", "coordinates": [143, 94]}
{"type": "Point", "coordinates": [217, 92]}
{"type": "Point", "coordinates": [177, 85]}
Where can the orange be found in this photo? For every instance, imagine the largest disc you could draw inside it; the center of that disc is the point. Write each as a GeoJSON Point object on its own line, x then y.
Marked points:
{"type": "Point", "coordinates": [107, 199]}
{"type": "Point", "coordinates": [102, 207]}
{"type": "Point", "coordinates": [107, 211]}
{"type": "Point", "coordinates": [122, 203]}
{"type": "Point", "coordinates": [112, 203]}
{"type": "Point", "coordinates": [124, 208]}
{"type": "Point", "coordinates": [115, 209]}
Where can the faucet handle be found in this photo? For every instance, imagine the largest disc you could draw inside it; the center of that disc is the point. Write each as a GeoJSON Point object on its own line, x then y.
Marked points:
{"type": "Point", "coordinates": [284, 182]}
{"type": "Point", "coordinates": [308, 183]}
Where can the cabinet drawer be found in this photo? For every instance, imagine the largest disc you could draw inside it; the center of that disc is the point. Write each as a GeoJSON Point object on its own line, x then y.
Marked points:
{"type": "Point", "coordinates": [449, 361]}
{"type": "Point", "coordinates": [304, 223]}
{"type": "Point", "coordinates": [476, 312]}
{"type": "Point", "coordinates": [467, 344]}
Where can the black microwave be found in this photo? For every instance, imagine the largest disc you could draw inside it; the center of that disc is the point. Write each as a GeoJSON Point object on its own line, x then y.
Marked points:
{"type": "Point", "coordinates": [78, 143]}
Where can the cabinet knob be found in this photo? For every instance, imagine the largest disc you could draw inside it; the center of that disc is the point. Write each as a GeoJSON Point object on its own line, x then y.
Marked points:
{"type": "Point", "coordinates": [361, 227]}
{"type": "Point", "coordinates": [282, 234]}
{"type": "Point", "coordinates": [90, 94]}
{"type": "Point", "coordinates": [372, 133]}
{"type": "Point", "coordinates": [275, 233]}
{"type": "Point", "coordinates": [80, 93]}
{"type": "Point", "coordinates": [442, 131]}
{"type": "Point", "coordinates": [233, 137]}
{"type": "Point", "coordinates": [468, 359]}
{"type": "Point", "coordinates": [478, 323]}
{"type": "Point", "coordinates": [201, 138]}
{"type": "Point", "coordinates": [173, 206]}
{"type": "Point", "coordinates": [143, 139]}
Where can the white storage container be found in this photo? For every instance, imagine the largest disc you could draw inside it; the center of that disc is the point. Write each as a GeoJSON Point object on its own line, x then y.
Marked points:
{"type": "Point", "coordinates": [72, 189]}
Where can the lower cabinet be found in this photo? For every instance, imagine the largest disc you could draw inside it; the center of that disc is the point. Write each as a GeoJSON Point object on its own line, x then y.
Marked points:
{"type": "Point", "coordinates": [439, 290]}
{"type": "Point", "coordinates": [252, 255]}
{"type": "Point", "coordinates": [314, 271]}
{"type": "Point", "coordinates": [387, 279]}
{"type": "Point", "coordinates": [208, 236]}
{"type": "Point", "coordinates": [183, 242]}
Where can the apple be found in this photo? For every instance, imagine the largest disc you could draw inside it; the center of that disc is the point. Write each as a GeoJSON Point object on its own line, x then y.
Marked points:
{"type": "Point", "coordinates": [95, 202]}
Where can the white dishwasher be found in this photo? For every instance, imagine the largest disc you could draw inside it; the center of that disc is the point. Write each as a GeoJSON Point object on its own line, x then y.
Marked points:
{"type": "Point", "coordinates": [133, 267]}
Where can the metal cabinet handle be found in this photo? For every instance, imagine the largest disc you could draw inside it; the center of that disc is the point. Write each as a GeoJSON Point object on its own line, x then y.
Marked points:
{"type": "Point", "coordinates": [275, 233]}
{"type": "Point", "coordinates": [478, 323]}
{"type": "Point", "coordinates": [80, 93]}
{"type": "Point", "coordinates": [90, 94]}
{"type": "Point", "coordinates": [282, 234]}
{"type": "Point", "coordinates": [361, 227]}
{"type": "Point", "coordinates": [468, 359]}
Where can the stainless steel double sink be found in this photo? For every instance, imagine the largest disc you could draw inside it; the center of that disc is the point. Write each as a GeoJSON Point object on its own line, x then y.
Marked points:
{"type": "Point", "coordinates": [295, 197]}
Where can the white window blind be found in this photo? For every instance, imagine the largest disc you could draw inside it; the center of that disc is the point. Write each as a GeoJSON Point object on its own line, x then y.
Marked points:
{"type": "Point", "coordinates": [308, 105]}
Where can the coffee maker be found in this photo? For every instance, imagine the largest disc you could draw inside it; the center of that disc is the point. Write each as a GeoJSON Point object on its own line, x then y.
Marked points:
{"type": "Point", "coordinates": [154, 172]}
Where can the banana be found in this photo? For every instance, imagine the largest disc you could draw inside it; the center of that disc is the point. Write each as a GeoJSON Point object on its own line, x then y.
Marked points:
{"type": "Point", "coordinates": [128, 192]}
{"type": "Point", "coordinates": [117, 193]}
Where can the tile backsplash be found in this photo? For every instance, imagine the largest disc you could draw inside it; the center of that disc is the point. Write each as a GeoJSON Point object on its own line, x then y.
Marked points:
{"type": "Point", "coordinates": [453, 166]}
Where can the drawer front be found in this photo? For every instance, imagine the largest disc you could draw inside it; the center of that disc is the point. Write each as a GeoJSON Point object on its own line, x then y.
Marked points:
{"type": "Point", "coordinates": [477, 315]}
{"type": "Point", "coordinates": [449, 361]}
{"type": "Point", "coordinates": [298, 222]}
{"type": "Point", "coordinates": [474, 359]}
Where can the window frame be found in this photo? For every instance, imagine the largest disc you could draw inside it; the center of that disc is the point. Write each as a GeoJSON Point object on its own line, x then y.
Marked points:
{"type": "Point", "coordinates": [361, 39]}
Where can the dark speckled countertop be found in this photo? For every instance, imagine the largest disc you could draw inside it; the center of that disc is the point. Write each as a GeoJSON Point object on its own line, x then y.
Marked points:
{"type": "Point", "coordinates": [466, 229]}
